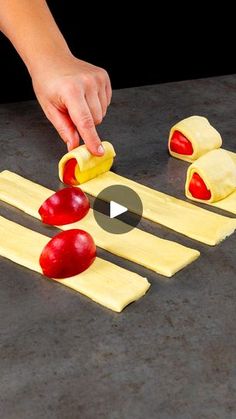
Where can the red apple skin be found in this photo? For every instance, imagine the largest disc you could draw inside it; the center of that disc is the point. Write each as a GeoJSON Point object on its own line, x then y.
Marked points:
{"type": "Point", "coordinates": [180, 144]}
{"type": "Point", "coordinates": [67, 254]}
{"type": "Point", "coordinates": [65, 206]}
{"type": "Point", "coordinates": [198, 189]}
{"type": "Point", "coordinates": [69, 173]}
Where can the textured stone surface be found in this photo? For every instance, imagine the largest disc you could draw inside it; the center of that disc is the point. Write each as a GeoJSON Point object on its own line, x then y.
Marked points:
{"type": "Point", "coordinates": [170, 355]}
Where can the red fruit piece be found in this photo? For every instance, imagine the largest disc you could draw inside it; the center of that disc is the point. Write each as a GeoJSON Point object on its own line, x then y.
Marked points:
{"type": "Point", "coordinates": [64, 207]}
{"type": "Point", "coordinates": [67, 254]}
{"type": "Point", "coordinates": [69, 172]}
{"type": "Point", "coordinates": [180, 144]}
{"type": "Point", "coordinates": [198, 188]}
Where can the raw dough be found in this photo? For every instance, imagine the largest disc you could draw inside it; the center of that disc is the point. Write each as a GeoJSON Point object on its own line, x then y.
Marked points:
{"type": "Point", "coordinates": [178, 215]}
{"type": "Point", "coordinates": [203, 136]}
{"type": "Point", "coordinates": [218, 171]}
{"type": "Point", "coordinates": [185, 218]}
{"type": "Point", "coordinates": [162, 256]}
{"type": "Point", "coordinates": [88, 165]}
{"type": "Point", "coordinates": [200, 133]}
{"type": "Point", "coordinates": [103, 282]}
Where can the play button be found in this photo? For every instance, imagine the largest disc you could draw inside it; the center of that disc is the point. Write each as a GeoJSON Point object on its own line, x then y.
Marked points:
{"type": "Point", "coordinates": [117, 209]}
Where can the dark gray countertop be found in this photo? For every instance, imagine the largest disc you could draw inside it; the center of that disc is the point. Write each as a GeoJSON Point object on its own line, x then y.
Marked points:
{"type": "Point", "coordinates": [170, 355]}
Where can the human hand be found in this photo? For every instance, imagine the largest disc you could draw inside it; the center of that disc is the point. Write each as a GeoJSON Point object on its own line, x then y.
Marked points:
{"type": "Point", "coordinates": [74, 96]}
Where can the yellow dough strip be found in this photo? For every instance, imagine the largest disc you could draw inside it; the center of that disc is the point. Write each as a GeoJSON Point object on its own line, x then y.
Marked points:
{"type": "Point", "coordinates": [162, 256]}
{"type": "Point", "coordinates": [185, 218]}
{"type": "Point", "coordinates": [103, 282]}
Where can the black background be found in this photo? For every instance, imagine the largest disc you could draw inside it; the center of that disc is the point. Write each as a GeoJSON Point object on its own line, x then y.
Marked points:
{"type": "Point", "coordinates": [137, 47]}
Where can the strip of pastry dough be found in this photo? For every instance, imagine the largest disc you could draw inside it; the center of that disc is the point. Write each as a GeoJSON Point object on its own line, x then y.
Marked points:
{"type": "Point", "coordinates": [162, 256]}
{"type": "Point", "coordinates": [218, 171]}
{"type": "Point", "coordinates": [103, 282]}
{"type": "Point", "coordinates": [178, 215]}
{"type": "Point", "coordinates": [185, 218]}
{"type": "Point", "coordinates": [202, 135]}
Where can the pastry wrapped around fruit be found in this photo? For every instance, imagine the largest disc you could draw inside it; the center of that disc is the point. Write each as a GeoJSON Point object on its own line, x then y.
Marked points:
{"type": "Point", "coordinates": [193, 137]}
{"type": "Point", "coordinates": [79, 166]}
{"type": "Point", "coordinates": [212, 177]}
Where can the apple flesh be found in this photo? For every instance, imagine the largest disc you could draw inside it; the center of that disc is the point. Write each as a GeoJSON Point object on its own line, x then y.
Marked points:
{"type": "Point", "coordinates": [198, 188]}
{"type": "Point", "coordinates": [67, 254]}
{"type": "Point", "coordinates": [69, 172]}
{"type": "Point", "coordinates": [66, 206]}
{"type": "Point", "coordinates": [180, 144]}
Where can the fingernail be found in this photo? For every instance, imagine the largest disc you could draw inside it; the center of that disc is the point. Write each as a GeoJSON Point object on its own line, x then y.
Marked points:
{"type": "Point", "coordinates": [100, 149]}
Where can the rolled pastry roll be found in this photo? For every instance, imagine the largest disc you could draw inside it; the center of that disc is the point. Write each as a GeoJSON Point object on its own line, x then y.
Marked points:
{"type": "Point", "coordinates": [211, 178]}
{"type": "Point", "coordinates": [79, 165]}
{"type": "Point", "coordinates": [192, 137]}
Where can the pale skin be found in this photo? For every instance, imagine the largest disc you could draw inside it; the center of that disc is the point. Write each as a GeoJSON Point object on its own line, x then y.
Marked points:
{"type": "Point", "coordinates": [73, 94]}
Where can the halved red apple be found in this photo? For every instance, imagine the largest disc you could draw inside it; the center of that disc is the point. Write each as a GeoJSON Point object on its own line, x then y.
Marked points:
{"type": "Point", "coordinates": [65, 206]}
{"type": "Point", "coordinates": [67, 254]}
{"type": "Point", "coordinates": [198, 188]}
{"type": "Point", "coordinates": [180, 144]}
{"type": "Point", "coordinates": [69, 172]}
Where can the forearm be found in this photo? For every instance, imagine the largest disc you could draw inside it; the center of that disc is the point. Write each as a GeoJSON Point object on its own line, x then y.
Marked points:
{"type": "Point", "coordinates": [32, 30]}
{"type": "Point", "coordinates": [73, 94]}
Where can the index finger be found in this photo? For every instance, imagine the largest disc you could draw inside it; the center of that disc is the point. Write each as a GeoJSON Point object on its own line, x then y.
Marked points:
{"type": "Point", "coordinates": [81, 116]}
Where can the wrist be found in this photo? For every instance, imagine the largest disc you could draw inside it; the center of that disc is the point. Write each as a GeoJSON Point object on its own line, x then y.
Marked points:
{"type": "Point", "coordinates": [48, 58]}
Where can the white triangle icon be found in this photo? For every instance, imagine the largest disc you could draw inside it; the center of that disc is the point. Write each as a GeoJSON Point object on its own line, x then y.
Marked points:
{"type": "Point", "coordinates": [116, 209]}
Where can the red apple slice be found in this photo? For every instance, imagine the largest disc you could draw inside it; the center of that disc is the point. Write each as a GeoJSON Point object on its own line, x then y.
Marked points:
{"type": "Point", "coordinates": [66, 206]}
{"type": "Point", "coordinates": [180, 144]}
{"type": "Point", "coordinates": [69, 172]}
{"type": "Point", "coordinates": [198, 188]}
{"type": "Point", "coordinates": [67, 254]}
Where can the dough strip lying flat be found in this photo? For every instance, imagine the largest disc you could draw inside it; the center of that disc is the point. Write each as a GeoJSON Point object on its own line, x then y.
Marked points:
{"type": "Point", "coordinates": [103, 282]}
{"type": "Point", "coordinates": [178, 215]}
{"type": "Point", "coordinates": [162, 256]}
{"type": "Point", "coordinates": [185, 218]}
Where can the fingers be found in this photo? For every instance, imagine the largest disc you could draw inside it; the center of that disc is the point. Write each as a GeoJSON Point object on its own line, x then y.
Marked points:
{"type": "Point", "coordinates": [98, 97]}
{"type": "Point", "coordinates": [83, 120]}
{"type": "Point", "coordinates": [102, 95]}
{"type": "Point", "coordinates": [108, 91]}
{"type": "Point", "coordinates": [95, 107]}
{"type": "Point", "coordinates": [99, 102]}
{"type": "Point", "coordinates": [76, 104]}
{"type": "Point", "coordinates": [64, 126]}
